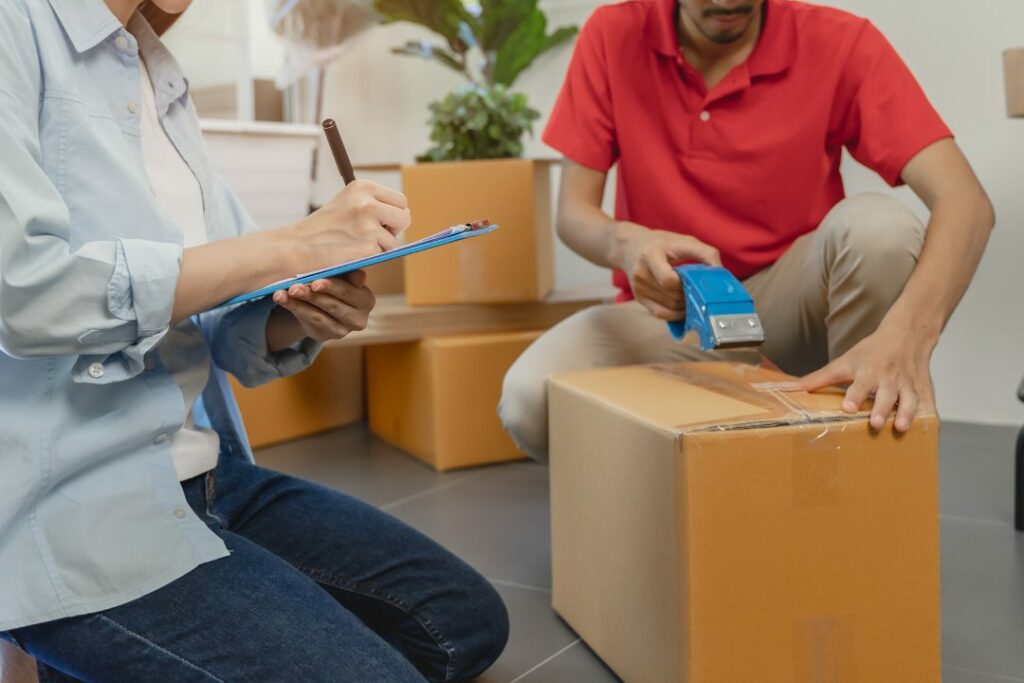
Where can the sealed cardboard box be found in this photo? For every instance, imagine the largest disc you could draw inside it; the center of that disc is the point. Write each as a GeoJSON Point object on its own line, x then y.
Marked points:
{"type": "Point", "coordinates": [708, 527]}
{"type": "Point", "coordinates": [514, 264]}
{"type": "Point", "coordinates": [327, 395]}
{"type": "Point", "coordinates": [1013, 71]}
{"type": "Point", "coordinates": [438, 398]}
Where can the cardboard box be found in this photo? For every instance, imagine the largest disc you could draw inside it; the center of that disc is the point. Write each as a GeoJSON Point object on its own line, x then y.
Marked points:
{"type": "Point", "coordinates": [707, 528]}
{"type": "Point", "coordinates": [1013, 70]}
{"type": "Point", "coordinates": [438, 398]}
{"type": "Point", "coordinates": [327, 395]}
{"type": "Point", "coordinates": [386, 279]}
{"type": "Point", "coordinates": [514, 264]}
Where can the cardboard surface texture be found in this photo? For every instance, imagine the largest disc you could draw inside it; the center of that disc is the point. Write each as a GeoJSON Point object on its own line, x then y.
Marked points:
{"type": "Point", "coordinates": [515, 264]}
{"type": "Point", "coordinates": [438, 398]}
{"type": "Point", "coordinates": [708, 528]}
{"type": "Point", "coordinates": [327, 395]}
{"type": "Point", "coordinates": [1013, 71]}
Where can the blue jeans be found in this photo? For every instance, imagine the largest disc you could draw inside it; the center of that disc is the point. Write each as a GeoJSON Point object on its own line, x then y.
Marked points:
{"type": "Point", "coordinates": [319, 587]}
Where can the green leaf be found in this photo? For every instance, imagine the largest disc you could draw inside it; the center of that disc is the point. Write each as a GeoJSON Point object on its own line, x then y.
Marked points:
{"type": "Point", "coordinates": [479, 123]}
{"type": "Point", "coordinates": [524, 45]}
{"type": "Point", "coordinates": [444, 17]}
{"type": "Point", "coordinates": [499, 19]}
{"type": "Point", "coordinates": [424, 50]}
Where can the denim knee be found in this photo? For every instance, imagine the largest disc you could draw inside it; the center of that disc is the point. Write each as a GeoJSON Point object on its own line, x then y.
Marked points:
{"type": "Point", "coordinates": [485, 635]}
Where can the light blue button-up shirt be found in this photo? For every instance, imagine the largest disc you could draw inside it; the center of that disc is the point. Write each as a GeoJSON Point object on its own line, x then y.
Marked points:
{"type": "Point", "coordinates": [91, 512]}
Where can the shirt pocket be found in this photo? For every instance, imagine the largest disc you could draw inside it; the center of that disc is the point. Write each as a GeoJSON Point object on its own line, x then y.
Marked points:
{"type": "Point", "coordinates": [89, 159]}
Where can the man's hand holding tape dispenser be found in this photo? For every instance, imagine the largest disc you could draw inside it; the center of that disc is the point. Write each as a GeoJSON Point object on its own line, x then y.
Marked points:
{"type": "Point", "coordinates": [727, 120]}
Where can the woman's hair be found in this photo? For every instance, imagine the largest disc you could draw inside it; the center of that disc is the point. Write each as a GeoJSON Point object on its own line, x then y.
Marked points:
{"type": "Point", "coordinates": [157, 18]}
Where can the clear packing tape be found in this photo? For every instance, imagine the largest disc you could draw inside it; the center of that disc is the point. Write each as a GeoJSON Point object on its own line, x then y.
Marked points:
{"type": "Point", "coordinates": [779, 399]}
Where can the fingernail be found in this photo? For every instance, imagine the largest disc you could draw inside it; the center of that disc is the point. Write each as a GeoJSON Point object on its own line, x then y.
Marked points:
{"type": "Point", "coordinates": [849, 406]}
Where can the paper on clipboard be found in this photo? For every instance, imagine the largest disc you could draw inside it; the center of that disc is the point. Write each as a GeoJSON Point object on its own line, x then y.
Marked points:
{"type": "Point", "coordinates": [455, 233]}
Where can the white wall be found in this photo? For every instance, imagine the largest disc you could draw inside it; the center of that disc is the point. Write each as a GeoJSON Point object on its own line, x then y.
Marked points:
{"type": "Point", "coordinates": [954, 48]}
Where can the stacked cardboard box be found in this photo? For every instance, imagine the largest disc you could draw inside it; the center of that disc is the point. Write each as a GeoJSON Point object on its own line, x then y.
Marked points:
{"type": "Point", "coordinates": [437, 398]}
{"type": "Point", "coordinates": [327, 395]}
{"type": "Point", "coordinates": [708, 525]}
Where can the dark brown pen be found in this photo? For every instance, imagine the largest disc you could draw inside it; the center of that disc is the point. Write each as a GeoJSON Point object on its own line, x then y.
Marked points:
{"type": "Point", "coordinates": [348, 174]}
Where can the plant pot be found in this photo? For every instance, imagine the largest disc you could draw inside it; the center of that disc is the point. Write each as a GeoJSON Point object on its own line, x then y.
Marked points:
{"type": "Point", "coordinates": [515, 264]}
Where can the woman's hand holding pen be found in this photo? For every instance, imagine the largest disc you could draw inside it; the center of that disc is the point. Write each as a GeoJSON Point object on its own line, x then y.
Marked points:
{"type": "Point", "coordinates": [363, 219]}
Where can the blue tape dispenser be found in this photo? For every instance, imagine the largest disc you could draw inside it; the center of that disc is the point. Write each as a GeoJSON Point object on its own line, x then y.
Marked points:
{"type": "Point", "coordinates": [718, 308]}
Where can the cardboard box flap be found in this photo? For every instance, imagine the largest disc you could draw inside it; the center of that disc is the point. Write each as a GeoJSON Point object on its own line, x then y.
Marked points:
{"type": "Point", "coordinates": [689, 397]}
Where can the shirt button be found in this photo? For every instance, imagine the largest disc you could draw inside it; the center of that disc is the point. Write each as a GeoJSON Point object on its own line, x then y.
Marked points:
{"type": "Point", "coordinates": [96, 370]}
{"type": "Point", "coordinates": [121, 43]}
{"type": "Point", "coordinates": [179, 513]}
{"type": "Point", "coordinates": [160, 438]}
{"type": "Point", "coordinates": [705, 116]}
{"type": "Point", "coordinates": [133, 106]}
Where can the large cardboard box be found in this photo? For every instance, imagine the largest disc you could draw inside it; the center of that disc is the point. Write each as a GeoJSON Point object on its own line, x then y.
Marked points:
{"type": "Point", "coordinates": [327, 395]}
{"type": "Point", "coordinates": [438, 398]}
{"type": "Point", "coordinates": [1013, 71]}
{"type": "Point", "coordinates": [708, 528]}
{"type": "Point", "coordinates": [514, 264]}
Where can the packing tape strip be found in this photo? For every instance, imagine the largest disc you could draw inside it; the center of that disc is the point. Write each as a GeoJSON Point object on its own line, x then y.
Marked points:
{"type": "Point", "coordinates": [741, 391]}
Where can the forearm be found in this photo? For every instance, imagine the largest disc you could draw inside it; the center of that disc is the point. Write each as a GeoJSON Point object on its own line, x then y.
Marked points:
{"type": "Point", "coordinates": [592, 233]}
{"type": "Point", "coordinates": [958, 231]}
{"type": "Point", "coordinates": [212, 273]}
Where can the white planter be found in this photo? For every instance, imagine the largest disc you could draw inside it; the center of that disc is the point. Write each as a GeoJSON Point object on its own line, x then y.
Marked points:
{"type": "Point", "coordinates": [267, 164]}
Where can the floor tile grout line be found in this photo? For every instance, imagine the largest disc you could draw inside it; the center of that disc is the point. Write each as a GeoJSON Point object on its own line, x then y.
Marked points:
{"type": "Point", "coordinates": [983, 673]}
{"type": "Point", "coordinates": [434, 489]}
{"type": "Point", "coordinates": [537, 666]}
{"type": "Point", "coordinates": [976, 520]}
{"type": "Point", "coordinates": [513, 584]}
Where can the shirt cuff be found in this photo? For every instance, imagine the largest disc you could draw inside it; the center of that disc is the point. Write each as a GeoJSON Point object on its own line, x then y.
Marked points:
{"type": "Point", "coordinates": [241, 346]}
{"type": "Point", "coordinates": [140, 291]}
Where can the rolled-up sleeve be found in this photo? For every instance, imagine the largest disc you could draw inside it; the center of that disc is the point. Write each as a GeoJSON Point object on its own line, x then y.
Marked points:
{"type": "Point", "coordinates": [106, 301]}
{"type": "Point", "coordinates": [237, 336]}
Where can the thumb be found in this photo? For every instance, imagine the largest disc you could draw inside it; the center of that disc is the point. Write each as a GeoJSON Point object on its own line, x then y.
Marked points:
{"type": "Point", "coordinates": [687, 248]}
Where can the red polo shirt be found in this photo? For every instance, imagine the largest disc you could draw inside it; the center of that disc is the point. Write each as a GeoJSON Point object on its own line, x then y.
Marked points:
{"type": "Point", "coordinates": [753, 164]}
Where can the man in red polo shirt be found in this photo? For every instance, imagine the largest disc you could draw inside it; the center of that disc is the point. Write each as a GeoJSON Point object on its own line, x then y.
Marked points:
{"type": "Point", "coordinates": [727, 119]}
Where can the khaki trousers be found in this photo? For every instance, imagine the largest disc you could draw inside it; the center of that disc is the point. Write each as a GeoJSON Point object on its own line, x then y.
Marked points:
{"type": "Point", "coordinates": [827, 292]}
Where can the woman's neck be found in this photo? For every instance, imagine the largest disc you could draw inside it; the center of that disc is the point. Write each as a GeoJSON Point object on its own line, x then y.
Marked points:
{"type": "Point", "coordinates": [123, 9]}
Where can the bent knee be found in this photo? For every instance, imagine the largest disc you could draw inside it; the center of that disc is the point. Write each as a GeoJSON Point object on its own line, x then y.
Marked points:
{"type": "Point", "coordinates": [873, 223]}
{"type": "Point", "coordinates": [523, 408]}
{"type": "Point", "coordinates": [485, 634]}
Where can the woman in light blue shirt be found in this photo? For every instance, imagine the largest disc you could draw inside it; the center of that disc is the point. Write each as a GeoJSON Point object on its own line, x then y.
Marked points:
{"type": "Point", "coordinates": [138, 541]}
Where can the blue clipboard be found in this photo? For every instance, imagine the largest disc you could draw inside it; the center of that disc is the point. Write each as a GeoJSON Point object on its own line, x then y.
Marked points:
{"type": "Point", "coordinates": [456, 233]}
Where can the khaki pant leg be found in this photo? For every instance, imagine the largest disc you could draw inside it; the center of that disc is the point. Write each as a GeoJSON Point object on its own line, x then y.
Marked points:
{"type": "Point", "coordinates": [602, 336]}
{"type": "Point", "coordinates": [833, 286]}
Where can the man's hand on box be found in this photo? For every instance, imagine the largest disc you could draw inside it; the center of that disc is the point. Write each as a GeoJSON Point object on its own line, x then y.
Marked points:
{"type": "Point", "coordinates": [891, 366]}
{"type": "Point", "coordinates": [328, 309]}
{"type": "Point", "coordinates": [648, 256]}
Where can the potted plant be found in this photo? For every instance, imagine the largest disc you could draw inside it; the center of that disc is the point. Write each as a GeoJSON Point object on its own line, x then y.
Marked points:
{"type": "Point", "coordinates": [474, 168]}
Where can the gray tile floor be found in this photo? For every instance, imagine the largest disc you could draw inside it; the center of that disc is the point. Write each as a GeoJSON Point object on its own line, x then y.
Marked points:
{"type": "Point", "coordinates": [497, 519]}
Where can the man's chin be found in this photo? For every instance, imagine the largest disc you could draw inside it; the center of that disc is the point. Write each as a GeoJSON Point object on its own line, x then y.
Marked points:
{"type": "Point", "coordinates": [725, 37]}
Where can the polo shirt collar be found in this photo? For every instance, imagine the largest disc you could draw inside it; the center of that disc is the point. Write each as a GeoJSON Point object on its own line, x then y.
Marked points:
{"type": "Point", "coordinates": [86, 22]}
{"type": "Point", "coordinates": [775, 50]}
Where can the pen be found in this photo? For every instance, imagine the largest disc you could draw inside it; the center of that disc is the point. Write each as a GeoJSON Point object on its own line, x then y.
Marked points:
{"type": "Point", "coordinates": [348, 174]}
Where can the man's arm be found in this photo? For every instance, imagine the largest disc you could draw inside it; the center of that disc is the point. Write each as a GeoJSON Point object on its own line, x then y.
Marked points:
{"type": "Point", "coordinates": [645, 255]}
{"type": "Point", "coordinates": [893, 363]}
